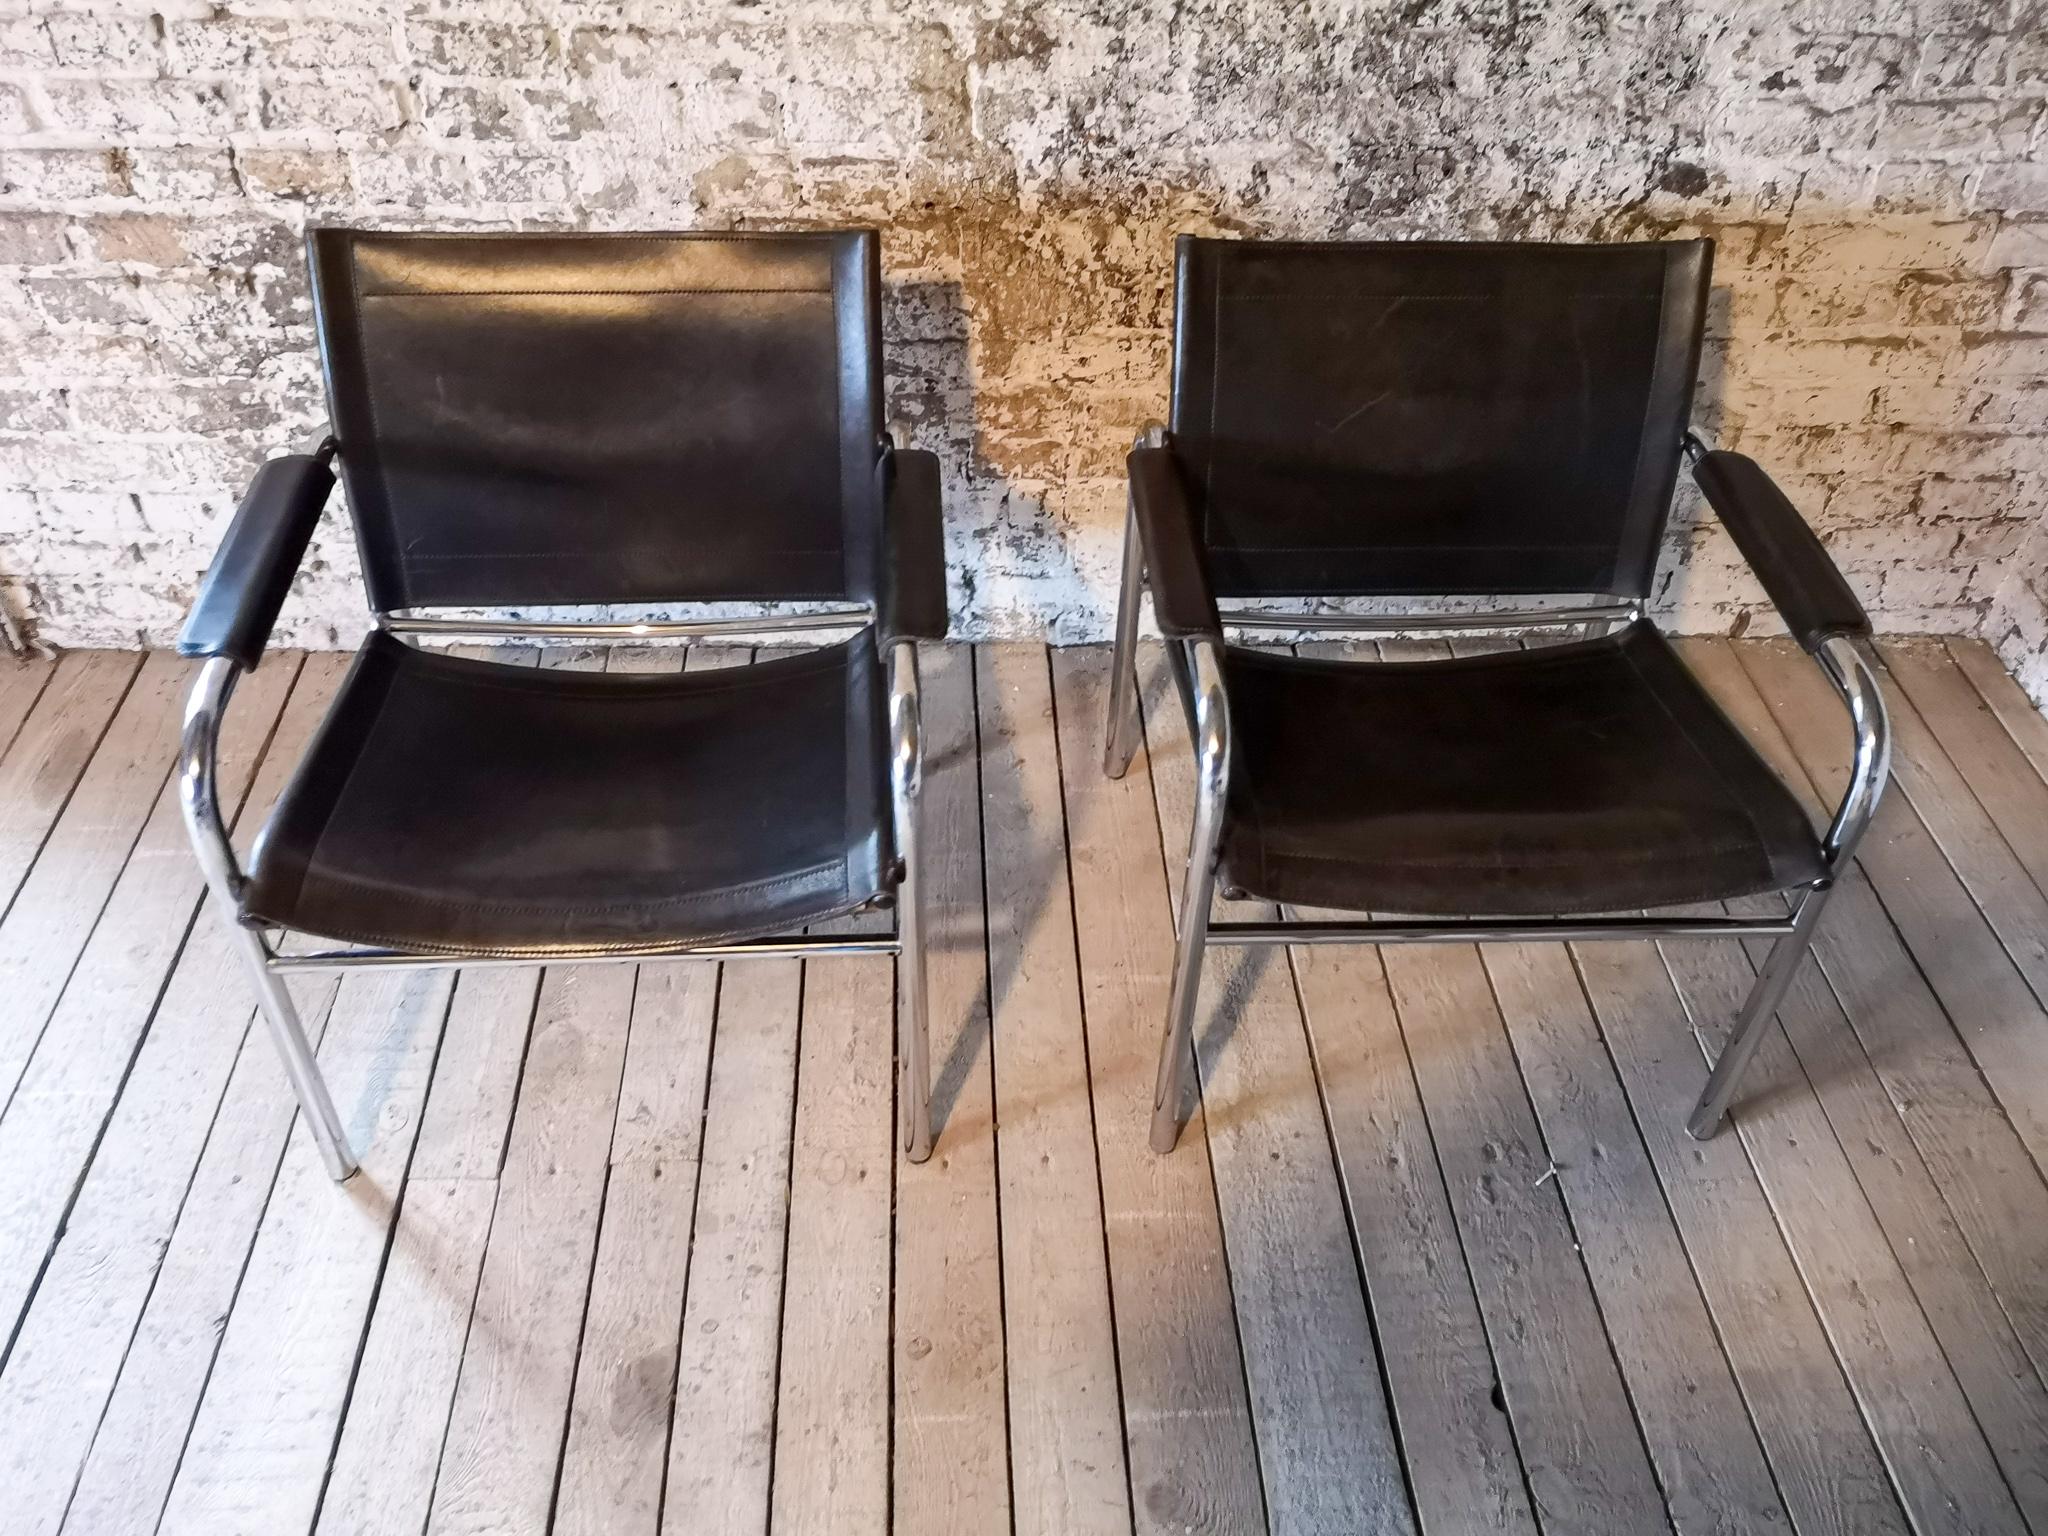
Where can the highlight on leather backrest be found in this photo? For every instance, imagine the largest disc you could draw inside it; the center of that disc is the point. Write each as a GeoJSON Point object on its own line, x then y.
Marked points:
{"type": "Point", "coordinates": [598, 418]}
{"type": "Point", "coordinates": [1421, 418]}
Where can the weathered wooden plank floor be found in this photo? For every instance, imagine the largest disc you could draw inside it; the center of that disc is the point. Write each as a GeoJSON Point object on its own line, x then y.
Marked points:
{"type": "Point", "coordinates": [630, 1253]}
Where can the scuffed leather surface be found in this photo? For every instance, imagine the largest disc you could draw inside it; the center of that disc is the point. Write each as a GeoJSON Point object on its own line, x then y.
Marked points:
{"type": "Point", "coordinates": [913, 605]}
{"type": "Point", "coordinates": [259, 555]}
{"type": "Point", "coordinates": [529, 419]}
{"type": "Point", "coordinates": [1591, 777]}
{"type": "Point", "coordinates": [449, 805]}
{"type": "Point", "coordinates": [1174, 567]}
{"type": "Point", "coordinates": [1810, 594]}
{"type": "Point", "coordinates": [1421, 418]}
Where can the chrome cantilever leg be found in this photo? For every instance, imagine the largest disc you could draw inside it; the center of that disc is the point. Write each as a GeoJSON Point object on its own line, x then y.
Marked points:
{"type": "Point", "coordinates": [1212, 765]}
{"type": "Point", "coordinates": [913, 1033]}
{"type": "Point", "coordinates": [200, 801]}
{"type": "Point", "coordinates": [1857, 683]}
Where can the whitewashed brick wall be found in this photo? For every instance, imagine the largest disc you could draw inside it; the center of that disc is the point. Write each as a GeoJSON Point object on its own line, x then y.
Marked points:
{"type": "Point", "coordinates": [1873, 172]}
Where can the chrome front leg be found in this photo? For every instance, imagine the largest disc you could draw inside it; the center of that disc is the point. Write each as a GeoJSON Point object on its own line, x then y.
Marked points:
{"type": "Point", "coordinates": [1856, 681]}
{"type": "Point", "coordinates": [200, 801]}
{"type": "Point", "coordinates": [913, 1031]}
{"type": "Point", "coordinates": [1212, 766]}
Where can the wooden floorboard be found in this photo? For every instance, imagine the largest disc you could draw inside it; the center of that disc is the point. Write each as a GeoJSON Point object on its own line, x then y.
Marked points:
{"type": "Point", "coordinates": [77, 1064]}
{"type": "Point", "coordinates": [110, 1173]}
{"type": "Point", "coordinates": [1457, 1444]}
{"type": "Point", "coordinates": [632, 1251]}
{"type": "Point", "coordinates": [2026, 724]}
{"type": "Point", "coordinates": [60, 899]}
{"type": "Point", "coordinates": [1999, 1019]}
{"type": "Point", "coordinates": [1327, 1450]}
{"type": "Point", "coordinates": [951, 1420]}
{"type": "Point", "coordinates": [722, 1439]}
{"type": "Point", "coordinates": [389, 1450]}
{"type": "Point", "coordinates": [51, 719]}
{"type": "Point", "coordinates": [259, 1445]}
{"type": "Point", "coordinates": [1964, 734]}
{"type": "Point", "coordinates": [1975, 1346]}
{"type": "Point", "coordinates": [1828, 1472]}
{"type": "Point", "coordinates": [1975, 845]}
{"type": "Point", "coordinates": [1066, 1419]}
{"type": "Point", "coordinates": [1970, 1150]}
{"type": "Point", "coordinates": [501, 1459]}
{"type": "Point", "coordinates": [1585, 1457]}
{"type": "Point", "coordinates": [1652, 1303]}
{"type": "Point", "coordinates": [22, 681]}
{"type": "Point", "coordinates": [1187, 1415]}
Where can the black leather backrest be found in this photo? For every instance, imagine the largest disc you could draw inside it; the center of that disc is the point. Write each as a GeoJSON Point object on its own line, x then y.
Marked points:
{"type": "Point", "coordinates": [532, 419]}
{"type": "Point", "coordinates": [1434, 418]}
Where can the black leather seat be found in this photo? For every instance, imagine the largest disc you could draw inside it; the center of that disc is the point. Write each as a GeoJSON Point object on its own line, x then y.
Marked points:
{"type": "Point", "coordinates": [453, 806]}
{"type": "Point", "coordinates": [1586, 777]}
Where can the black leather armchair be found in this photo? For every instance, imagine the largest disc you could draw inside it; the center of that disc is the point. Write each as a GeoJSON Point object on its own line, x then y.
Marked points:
{"type": "Point", "coordinates": [534, 425]}
{"type": "Point", "coordinates": [1473, 421]}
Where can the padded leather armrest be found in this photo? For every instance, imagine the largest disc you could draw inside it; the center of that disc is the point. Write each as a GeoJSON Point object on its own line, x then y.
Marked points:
{"type": "Point", "coordinates": [1174, 568]}
{"type": "Point", "coordinates": [253, 568]}
{"type": "Point", "coordinates": [1803, 583]}
{"type": "Point", "coordinates": [913, 584]}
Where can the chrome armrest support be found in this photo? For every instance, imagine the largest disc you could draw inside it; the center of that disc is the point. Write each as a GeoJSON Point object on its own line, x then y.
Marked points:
{"type": "Point", "coordinates": [1211, 709]}
{"type": "Point", "coordinates": [906, 724]}
{"type": "Point", "coordinates": [198, 791]}
{"type": "Point", "coordinates": [913, 1024]}
{"type": "Point", "coordinates": [1856, 681]}
{"type": "Point", "coordinates": [1212, 741]}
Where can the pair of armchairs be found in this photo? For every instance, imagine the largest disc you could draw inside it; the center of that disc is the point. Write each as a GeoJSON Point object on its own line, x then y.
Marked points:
{"type": "Point", "coordinates": [541, 424]}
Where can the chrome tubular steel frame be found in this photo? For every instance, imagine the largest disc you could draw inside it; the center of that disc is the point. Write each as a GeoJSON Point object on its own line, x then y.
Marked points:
{"type": "Point", "coordinates": [1856, 681]}
{"type": "Point", "coordinates": [200, 800]}
{"type": "Point", "coordinates": [906, 783]}
{"type": "Point", "coordinates": [575, 629]}
{"type": "Point", "coordinates": [1415, 621]}
{"type": "Point", "coordinates": [1198, 672]}
{"type": "Point", "coordinates": [1204, 668]}
{"type": "Point", "coordinates": [268, 965]}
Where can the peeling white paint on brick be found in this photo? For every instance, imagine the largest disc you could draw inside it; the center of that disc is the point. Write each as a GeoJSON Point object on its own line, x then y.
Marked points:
{"type": "Point", "coordinates": [1872, 173]}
